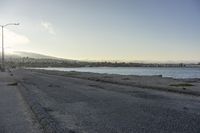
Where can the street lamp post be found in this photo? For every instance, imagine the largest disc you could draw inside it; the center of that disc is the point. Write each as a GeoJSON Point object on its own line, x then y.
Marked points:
{"type": "Point", "coordinates": [2, 60]}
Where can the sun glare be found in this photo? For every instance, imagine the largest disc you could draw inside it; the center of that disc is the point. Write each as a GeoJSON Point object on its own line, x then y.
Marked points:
{"type": "Point", "coordinates": [12, 39]}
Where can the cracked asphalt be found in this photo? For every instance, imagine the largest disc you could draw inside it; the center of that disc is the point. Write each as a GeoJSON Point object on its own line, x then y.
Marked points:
{"type": "Point", "coordinates": [87, 106]}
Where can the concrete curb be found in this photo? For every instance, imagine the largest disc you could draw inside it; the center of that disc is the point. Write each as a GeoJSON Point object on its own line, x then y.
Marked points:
{"type": "Point", "coordinates": [46, 121]}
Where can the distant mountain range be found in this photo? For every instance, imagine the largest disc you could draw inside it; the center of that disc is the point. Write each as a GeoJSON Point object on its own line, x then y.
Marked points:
{"type": "Point", "coordinates": [21, 54]}
{"type": "Point", "coordinates": [29, 59]}
{"type": "Point", "coordinates": [33, 55]}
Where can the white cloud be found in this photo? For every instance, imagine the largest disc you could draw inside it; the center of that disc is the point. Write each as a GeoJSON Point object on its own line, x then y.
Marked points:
{"type": "Point", "coordinates": [48, 27]}
{"type": "Point", "coordinates": [12, 38]}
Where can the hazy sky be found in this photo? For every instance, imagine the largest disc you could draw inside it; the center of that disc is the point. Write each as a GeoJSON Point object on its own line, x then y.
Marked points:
{"type": "Point", "coordinates": [153, 30]}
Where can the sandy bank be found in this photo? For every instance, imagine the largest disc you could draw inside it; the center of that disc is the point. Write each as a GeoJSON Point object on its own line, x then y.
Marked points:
{"type": "Point", "coordinates": [186, 86]}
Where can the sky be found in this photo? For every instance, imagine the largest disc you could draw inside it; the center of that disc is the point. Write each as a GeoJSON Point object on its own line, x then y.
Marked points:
{"type": "Point", "coordinates": [117, 30]}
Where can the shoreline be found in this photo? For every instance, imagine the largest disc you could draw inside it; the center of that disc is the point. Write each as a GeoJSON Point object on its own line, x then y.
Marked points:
{"type": "Point", "coordinates": [166, 72]}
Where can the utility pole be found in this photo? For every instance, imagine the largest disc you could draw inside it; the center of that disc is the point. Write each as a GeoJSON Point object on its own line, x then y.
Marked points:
{"type": "Point", "coordinates": [3, 58]}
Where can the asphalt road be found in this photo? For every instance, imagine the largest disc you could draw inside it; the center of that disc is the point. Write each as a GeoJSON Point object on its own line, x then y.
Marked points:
{"type": "Point", "coordinates": [95, 107]}
{"type": "Point", "coordinates": [15, 116]}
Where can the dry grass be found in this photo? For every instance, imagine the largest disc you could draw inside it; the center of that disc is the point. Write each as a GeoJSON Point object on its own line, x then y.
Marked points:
{"type": "Point", "coordinates": [182, 85]}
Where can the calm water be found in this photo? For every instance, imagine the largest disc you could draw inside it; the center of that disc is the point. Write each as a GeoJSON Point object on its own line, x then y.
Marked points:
{"type": "Point", "coordinates": [165, 72]}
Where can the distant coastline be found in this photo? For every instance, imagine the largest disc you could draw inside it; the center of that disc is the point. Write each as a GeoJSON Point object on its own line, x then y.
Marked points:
{"type": "Point", "coordinates": [27, 59]}
{"type": "Point", "coordinates": [33, 62]}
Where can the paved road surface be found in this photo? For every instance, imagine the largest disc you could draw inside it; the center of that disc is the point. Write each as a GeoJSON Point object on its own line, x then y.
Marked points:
{"type": "Point", "coordinates": [15, 117]}
{"type": "Point", "coordinates": [95, 107]}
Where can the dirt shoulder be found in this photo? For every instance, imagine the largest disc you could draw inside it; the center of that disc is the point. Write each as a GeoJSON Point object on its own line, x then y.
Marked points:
{"type": "Point", "coordinates": [185, 86]}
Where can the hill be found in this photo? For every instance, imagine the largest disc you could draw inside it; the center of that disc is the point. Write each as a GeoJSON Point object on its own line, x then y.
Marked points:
{"type": "Point", "coordinates": [29, 59]}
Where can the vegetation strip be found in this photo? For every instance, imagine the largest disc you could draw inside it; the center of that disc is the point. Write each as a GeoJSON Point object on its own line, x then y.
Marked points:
{"type": "Point", "coordinates": [182, 85]}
